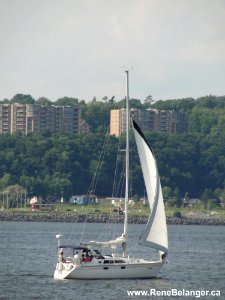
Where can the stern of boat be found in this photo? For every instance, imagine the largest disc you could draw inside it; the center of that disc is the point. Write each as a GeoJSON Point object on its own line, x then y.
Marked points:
{"type": "Point", "coordinates": [63, 270]}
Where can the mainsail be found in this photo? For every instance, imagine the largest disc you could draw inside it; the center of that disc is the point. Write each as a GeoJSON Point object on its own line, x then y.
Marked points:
{"type": "Point", "coordinates": [155, 232]}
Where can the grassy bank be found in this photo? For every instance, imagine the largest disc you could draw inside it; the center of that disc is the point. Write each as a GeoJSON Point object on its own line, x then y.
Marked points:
{"type": "Point", "coordinates": [135, 210]}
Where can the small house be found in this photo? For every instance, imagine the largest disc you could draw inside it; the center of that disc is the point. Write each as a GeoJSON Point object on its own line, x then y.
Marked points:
{"type": "Point", "coordinates": [191, 202]}
{"type": "Point", "coordinates": [84, 200]}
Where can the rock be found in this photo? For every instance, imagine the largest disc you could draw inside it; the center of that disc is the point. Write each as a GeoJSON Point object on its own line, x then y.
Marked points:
{"type": "Point", "coordinates": [101, 218]}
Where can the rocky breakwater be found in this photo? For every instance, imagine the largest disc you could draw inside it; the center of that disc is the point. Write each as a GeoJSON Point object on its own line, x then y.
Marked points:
{"type": "Point", "coordinates": [68, 217]}
{"type": "Point", "coordinates": [195, 221]}
{"type": "Point", "coordinates": [101, 218]}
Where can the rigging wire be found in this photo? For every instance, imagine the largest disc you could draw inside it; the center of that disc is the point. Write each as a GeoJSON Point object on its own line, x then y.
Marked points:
{"type": "Point", "coordinates": [94, 182]}
{"type": "Point", "coordinates": [116, 171]}
{"type": "Point", "coordinates": [131, 172]}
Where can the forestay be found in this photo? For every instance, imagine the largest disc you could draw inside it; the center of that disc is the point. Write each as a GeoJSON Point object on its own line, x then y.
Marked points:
{"type": "Point", "coordinates": [155, 232]}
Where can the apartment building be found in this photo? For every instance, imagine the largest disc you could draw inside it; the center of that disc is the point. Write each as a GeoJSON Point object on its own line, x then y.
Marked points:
{"type": "Point", "coordinates": [116, 122]}
{"type": "Point", "coordinates": [28, 118]}
{"type": "Point", "coordinates": [145, 118]}
{"type": "Point", "coordinates": [5, 118]}
{"type": "Point", "coordinates": [171, 121]}
{"type": "Point", "coordinates": [149, 120]}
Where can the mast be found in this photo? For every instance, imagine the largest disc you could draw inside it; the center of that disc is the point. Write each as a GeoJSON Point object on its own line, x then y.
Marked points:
{"type": "Point", "coordinates": [127, 152]}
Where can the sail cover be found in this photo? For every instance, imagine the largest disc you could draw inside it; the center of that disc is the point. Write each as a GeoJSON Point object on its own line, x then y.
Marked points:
{"type": "Point", "coordinates": [113, 243]}
{"type": "Point", "coordinates": [155, 232]}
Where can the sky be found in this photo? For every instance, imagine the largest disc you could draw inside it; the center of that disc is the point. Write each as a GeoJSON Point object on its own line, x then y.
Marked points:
{"type": "Point", "coordinates": [79, 48]}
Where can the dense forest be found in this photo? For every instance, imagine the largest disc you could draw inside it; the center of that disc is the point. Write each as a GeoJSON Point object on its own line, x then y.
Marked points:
{"type": "Point", "coordinates": [51, 165]}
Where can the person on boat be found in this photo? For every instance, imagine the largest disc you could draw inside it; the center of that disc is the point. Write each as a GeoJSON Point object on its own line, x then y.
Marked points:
{"type": "Point", "coordinates": [77, 259]}
{"type": "Point", "coordinates": [86, 256]}
{"type": "Point", "coordinates": [61, 256]}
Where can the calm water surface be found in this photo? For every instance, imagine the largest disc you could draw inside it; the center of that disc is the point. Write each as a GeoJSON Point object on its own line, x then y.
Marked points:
{"type": "Point", "coordinates": [28, 258]}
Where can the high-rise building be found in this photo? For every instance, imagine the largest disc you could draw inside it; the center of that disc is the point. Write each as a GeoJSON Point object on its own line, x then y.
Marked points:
{"type": "Point", "coordinates": [115, 122]}
{"type": "Point", "coordinates": [18, 118]}
{"type": "Point", "coordinates": [145, 118]}
{"type": "Point", "coordinates": [163, 120]}
{"type": "Point", "coordinates": [70, 119]}
{"type": "Point", "coordinates": [28, 118]}
{"type": "Point", "coordinates": [5, 118]}
{"type": "Point", "coordinates": [171, 121]}
{"type": "Point", "coordinates": [149, 120]}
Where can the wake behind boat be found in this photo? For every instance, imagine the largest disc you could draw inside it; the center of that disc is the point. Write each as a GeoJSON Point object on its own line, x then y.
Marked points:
{"type": "Point", "coordinates": [86, 261]}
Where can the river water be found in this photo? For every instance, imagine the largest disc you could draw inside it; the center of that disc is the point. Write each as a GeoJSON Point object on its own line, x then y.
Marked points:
{"type": "Point", "coordinates": [28, 258]}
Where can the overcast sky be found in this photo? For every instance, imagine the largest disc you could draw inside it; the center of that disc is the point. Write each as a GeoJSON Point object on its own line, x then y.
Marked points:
{"type": "Point", "coordinates": [77, 48]}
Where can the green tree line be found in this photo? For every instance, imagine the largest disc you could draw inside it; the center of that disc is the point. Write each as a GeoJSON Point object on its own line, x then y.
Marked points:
{"type": "Point", "coordinates": [49, 164]}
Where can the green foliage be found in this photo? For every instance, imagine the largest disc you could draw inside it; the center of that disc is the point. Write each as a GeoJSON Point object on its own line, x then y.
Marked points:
{"type": "Point", "coordinates": [167, 192]}
{"type": "Point", "coordinates": [185, 104]}
{"type": "Point", "coordinates": [177, 214]}
{"type": "Point", "coordinates": [43, 101]}
{"type": "Point", "coordinates": [97, 115]}
{"type": "Point", "coordinates": [46, 165]}
{"type": "Point", "coordinates": [49, 165]}
{"type": "Point", "coordinates": [13, 196]}
{"type": "Point", "coordinates": [67, 101]}
{"type": "Point", "coordinates": [211, 204]}
{"type": "Point", "coordinates": [22, 99]}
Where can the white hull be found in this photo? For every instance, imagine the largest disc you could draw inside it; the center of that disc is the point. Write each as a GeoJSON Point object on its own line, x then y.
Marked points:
{"type": "Point", "coordinates": [110, 271]}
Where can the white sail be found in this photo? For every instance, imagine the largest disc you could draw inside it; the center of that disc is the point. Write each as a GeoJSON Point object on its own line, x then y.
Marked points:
{"type": "Point", "coordinates": [155, 233]}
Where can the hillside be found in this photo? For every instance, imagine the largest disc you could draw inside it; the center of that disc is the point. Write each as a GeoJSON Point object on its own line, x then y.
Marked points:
{"type": "Point", "coordinates": [49, 165]}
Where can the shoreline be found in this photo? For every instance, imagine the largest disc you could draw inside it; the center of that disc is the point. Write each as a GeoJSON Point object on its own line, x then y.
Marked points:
{"type": "Point", "coordinates": [102, 218]}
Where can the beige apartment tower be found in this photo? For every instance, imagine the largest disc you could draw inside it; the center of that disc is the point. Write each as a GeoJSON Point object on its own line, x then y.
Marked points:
{"type": "Point", "coordinates": [116, 122]}
{"type": "Point", "coordinates": [149, 120]}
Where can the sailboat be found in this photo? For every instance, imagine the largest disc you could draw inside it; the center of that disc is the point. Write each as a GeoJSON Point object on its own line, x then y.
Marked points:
{"type": "Point", "coordinates": [86, 260]}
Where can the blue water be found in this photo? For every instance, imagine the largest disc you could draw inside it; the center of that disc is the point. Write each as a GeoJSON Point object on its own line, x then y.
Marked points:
{"type": "Point", "coordinates": [28, 258]}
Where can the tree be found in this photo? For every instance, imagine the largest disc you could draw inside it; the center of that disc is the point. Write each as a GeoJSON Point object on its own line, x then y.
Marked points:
{"type": "Point", "coordinates": [149, 100]}
{"type": "Point", "coordinates": [177, 197]}
{"type": "Point", "coordinates": [67, 101]}
{"type": "Point", "coordinates": [135, 103]}
{"type": "Point", "coordinates": [5, 101]}
{"type": "Point", "coordinates": [112, 99]}
{"type": "Point", "coordinates": [97, 115]}
{"type": "Point", "coordinates": [5, 180]}
{"type": "Point", "coordinates": [207, 195]}
{"type": "Point", "coordinates": [22, 99]}
{"type": "Point", "coordinates": [167, 192]}
{"type": "Point", "coordinates": [43, 101]}
{"type": "Point", "coordinates": [14, 196]}
{"type": "Point", "coordinates": [185, 104]}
